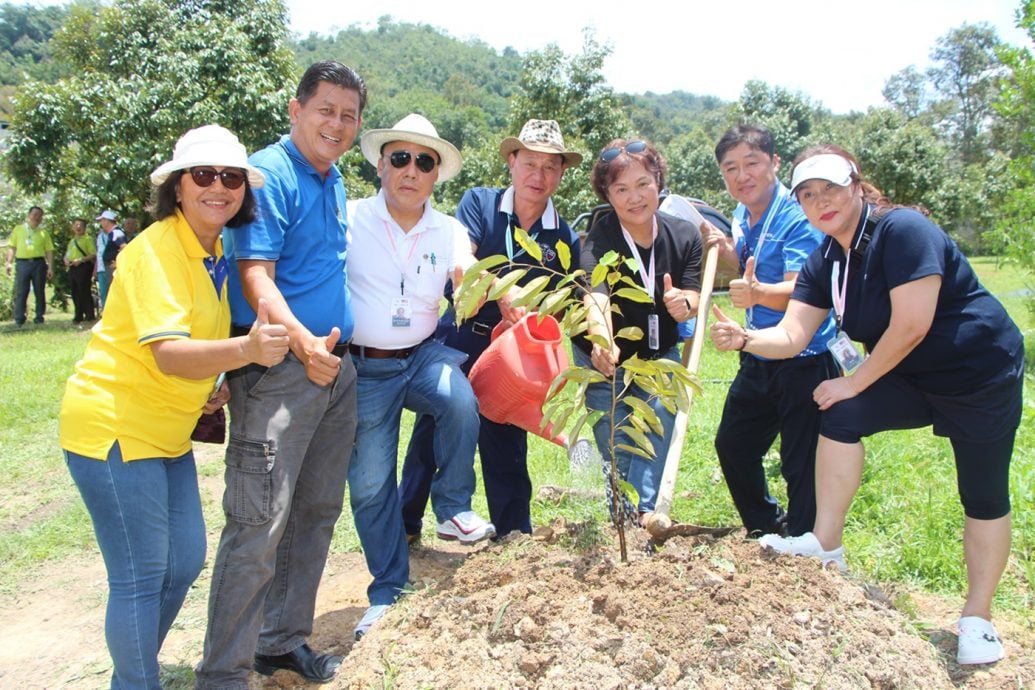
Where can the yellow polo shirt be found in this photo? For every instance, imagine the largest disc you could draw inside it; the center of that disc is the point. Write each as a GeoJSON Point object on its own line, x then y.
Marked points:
{"type": "Point", "coordinates": [161, 291]}
{"type": "Point", "coordinates": [29, 243]}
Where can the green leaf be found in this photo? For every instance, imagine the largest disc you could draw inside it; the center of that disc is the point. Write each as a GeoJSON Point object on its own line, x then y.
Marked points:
{"type": "Point", "coordinates": [600, 272]}
{"type": "Point", "coordinates": [630, 333]}
{"type": "Point", "coordinates": [528, 244]}
{"type": "Point", "coordinates": [639, 438]}
{"type": "Point", "coordinates": [506, 282]}
{"type": "Point", "coordinates": [634, 295]}
{"type": "Point", "coordinates": [630, 491]}
{"type": "Point", "coordinates": [555, 301]}
{"type": "Point", "coordinates": [467, 300]}
{"type": "Point", "coordinates": [584, 375]}
{"type": "Point", "coordinates": [634, 451]}
{"type": "Point", "coordinates": [530, 291]}
{"type": "Point", "coordinates": [563, 254]}
{"type": "Point", "coordinates": [645, 412]}
{"type": "Point", "coordinates": [486, 264]}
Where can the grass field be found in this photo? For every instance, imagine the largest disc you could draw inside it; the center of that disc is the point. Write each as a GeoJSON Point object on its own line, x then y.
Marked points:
{"type": "Point", "coordinates": [904, 527]}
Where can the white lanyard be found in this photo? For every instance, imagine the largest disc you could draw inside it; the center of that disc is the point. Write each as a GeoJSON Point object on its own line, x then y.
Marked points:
{"type": "Point", "coordinates": [397, 256]}
{"type": "Point", "coordinates": [648, 275]}
{"type": "Point", "coordinates": [839, 289]}
{"type": "Point", "coordinates": [780, 196]}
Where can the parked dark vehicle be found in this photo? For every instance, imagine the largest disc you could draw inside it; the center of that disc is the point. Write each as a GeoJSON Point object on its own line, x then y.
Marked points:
{"type": "Point", "coordinates": [723, 275]}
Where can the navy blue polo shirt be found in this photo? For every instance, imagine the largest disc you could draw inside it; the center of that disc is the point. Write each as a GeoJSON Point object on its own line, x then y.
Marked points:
{"type": "Point", "coordinates": [488, 215]}
{"type": "Point", "coordinates": [972, 341]}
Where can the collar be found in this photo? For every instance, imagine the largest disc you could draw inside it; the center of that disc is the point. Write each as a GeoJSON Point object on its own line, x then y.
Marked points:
{"type": "Point", "coordinates": [743, 213]}
{"type": "Point", "coordinates": [549, 220]}
{"type": "Point", "coordinates": [427, 220]}
{"type": "Point", "coordinates": [857, 239]}
{"type": "Point", "coordinates": [296, 155]}
{"type": "Point", "coordinates": [191, 246]}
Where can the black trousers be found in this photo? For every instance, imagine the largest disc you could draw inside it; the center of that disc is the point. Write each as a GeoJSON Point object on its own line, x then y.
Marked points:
{"type": "Point", "coordinates": [80, 278]}
{"type": "Point", "coordinates": [770, 397]}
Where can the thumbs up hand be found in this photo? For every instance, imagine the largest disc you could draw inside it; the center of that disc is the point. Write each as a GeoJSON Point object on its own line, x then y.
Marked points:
{"type": "Point", "coordinates": [726, 333]}
{"type": "Point", "coordinates": [743, 290]}
{"type": "Point", "coordinates": [676, 301]}
{"type": "Point", "coordinates": [267, 342]}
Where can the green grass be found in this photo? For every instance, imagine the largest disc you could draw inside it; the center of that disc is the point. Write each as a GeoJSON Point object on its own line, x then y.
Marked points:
{"type": "Point", "coordinates": [905, 525]}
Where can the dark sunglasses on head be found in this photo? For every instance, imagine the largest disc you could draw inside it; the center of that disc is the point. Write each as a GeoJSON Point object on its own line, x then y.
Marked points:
{"type": "Point", "coordinates": [205, 177]}
{"type": "Point", "coordinates": [400, 159]}
{"type": "Point", "coordinates": [608, 155]}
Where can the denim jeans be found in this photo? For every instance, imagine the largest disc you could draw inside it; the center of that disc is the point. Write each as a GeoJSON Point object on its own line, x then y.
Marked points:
{"type": "Point", "coordinates": [429, 382]}
{"type": "Point", "coordinates": [643, 474]}
{"type": "Point", "coordinates": [286, 464]}
{"type": "Point", "coordinates": [503, 449]}
{"type": "Point", "coordinates": [29, 273]}
{"type": "Point", "coordinates": [147, 518]}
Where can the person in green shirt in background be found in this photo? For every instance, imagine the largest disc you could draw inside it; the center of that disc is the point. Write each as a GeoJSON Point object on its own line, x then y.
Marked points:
{"type": "Point", "coordinates": [31, 252]}
{"type": "Point", "coordinates": [80, 257]}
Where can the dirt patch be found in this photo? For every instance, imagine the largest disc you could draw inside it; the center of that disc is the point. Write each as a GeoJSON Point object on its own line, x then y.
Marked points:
{"type": "Point", "coordinates": [546, 612]}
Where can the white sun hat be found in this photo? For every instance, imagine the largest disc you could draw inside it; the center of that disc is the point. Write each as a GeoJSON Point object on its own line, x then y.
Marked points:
{"type": "Point", "coordinates": [415, 129]}
{"type": "Point", "coordinates": [825, 166]}
{"type": "Point", "coordinates": [208, 145]}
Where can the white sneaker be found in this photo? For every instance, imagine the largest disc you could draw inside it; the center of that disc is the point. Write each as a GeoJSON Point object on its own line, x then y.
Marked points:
{"type": "Point", "coordinates": [805, 545]}
{"type": "Point", "coordinates": [979, 642]}
{"type": "Point", "coordinates": [373, 615]}
{"type": "Point", "coordinates": [468, 527]}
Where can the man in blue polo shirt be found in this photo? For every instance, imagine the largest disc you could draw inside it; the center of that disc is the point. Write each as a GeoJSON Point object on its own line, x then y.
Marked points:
{"type": "Point", "coordinates": [537, 159]}
{"type": "Point", "coordinates": [292, 425]}
{"type": "Point", "coordinates": [772, 239]}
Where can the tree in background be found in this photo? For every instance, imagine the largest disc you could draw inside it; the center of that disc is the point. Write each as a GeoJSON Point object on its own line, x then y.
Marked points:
{"type": "Point", "coordinates": [141, 73]}
{"type": "Point", "coordinates": [1014, 103]}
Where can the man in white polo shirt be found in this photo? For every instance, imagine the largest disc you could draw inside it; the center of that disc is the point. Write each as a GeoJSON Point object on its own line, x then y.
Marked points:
{"type": "Point", "coordinates": [401, 253]}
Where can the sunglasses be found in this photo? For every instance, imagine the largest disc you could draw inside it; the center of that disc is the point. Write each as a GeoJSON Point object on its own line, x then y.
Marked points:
{"type": "Point", "coordinates": [400, 159]}
{"type": "Point", "coordinates": [206, 177]}
{"type": "Point", "coordinates": [608, 155]}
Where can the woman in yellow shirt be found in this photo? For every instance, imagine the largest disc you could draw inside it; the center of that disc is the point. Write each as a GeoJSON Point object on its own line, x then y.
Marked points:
{"type": "Point", "coordinates": [147, 375]}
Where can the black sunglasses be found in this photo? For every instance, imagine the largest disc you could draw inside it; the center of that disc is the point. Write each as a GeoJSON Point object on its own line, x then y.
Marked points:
{"type": "Point", "coordinates": [608, 155]}
{"type": "Point", "coordinates": [206, 177]}
{"type": "Point", "coordinates": [400, 159]}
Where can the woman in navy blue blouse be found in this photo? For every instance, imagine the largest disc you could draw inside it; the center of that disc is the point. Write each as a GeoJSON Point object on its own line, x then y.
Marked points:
{"type": "Point", "coordinates": [940, 351]}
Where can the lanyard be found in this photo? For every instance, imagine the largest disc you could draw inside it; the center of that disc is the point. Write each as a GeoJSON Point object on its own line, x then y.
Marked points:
{"type": "Point", "coordinates": [646, 276]}
{"type": "Point", "coordinates": [780, 196]}
{"type": "Point", "coordinates": [396, 256]}
{"type": "Point", "coordinates": [839, 289]}
{"type": "Point", "coordinates": [510, 239]}
{"type": "Point", "coordinates": [217, 271]}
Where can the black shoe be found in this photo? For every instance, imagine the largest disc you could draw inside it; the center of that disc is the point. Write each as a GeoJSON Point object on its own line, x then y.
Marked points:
{"type": "Point", "coordinates": [315, 668]}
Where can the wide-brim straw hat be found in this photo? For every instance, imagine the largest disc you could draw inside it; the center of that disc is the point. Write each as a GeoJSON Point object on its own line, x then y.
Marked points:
{"type": "Point", "coordinates": [208, 145]}
{"type": "Point", "coordinates": [415, 129]}
{"type": "Point", "coordinates": [543, 136]}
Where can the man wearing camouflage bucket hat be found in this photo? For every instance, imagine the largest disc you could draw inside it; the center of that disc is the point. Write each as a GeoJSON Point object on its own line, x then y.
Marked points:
{"type": "Point", "coordinates": [537, 159]}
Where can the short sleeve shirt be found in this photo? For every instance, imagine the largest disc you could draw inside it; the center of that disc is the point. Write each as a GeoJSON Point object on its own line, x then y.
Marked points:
{"type": "Point", "coordinates": [161, 291]}
{"type": "Point", "coordinates": [677, 252]}
{"type": "Point", "coordinates": [488, 215]}
{"type": "Point", "coordinates": [971, 343]}
{"type": "Point", "coordinates": [301, 227]}
{"type": "Point", "coordinates": [789, 240]}
{"type": "Point", "coordinates": [29, 243]}
{"type": "Point", "coordinates": [392, 271]}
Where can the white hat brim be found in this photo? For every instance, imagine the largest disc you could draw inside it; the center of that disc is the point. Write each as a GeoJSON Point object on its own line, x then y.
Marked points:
{"type": "Point", "coordinates": [373, 141]}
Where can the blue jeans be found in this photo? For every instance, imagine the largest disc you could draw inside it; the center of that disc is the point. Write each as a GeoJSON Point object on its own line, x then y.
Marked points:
{"type": "Point", "coordinates": [103, 283]}
{"type": "Point", "coordinates": [29, 273]}
{"type": "Point", "coordinates": [147, 518]}
{"type": "Point", "coordinates": [428, 382]}
{"type": "Point", "coordinates": [503, 449]}
{"type": "Point", "coordinates": [286, 464]}
{"type": "Point", "coordinates": [643, 474]}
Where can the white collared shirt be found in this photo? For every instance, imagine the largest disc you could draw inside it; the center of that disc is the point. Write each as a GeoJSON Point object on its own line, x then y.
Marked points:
{"type": "Point", "coordinates": [550, 219]}
{"type": "Point", "coordinates": [385, 263]}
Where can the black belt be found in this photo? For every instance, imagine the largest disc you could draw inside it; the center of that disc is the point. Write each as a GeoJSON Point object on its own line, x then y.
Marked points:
{"type": "Point", "coordinates": [378, 353]}
{"type": "Point", "coordinates": [32, 258]}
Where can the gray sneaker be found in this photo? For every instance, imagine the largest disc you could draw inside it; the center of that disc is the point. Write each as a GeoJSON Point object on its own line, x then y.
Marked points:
{"type": "Point", "coordinates": [467, 527]}
{"type": "Point", "coordinates": [805, 545]}
{"type": "Point", "coordinates": [373, 615]}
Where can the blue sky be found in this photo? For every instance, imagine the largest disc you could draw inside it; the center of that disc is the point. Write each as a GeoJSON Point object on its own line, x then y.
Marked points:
{"type": "Point", "coordinates": [838, 53]}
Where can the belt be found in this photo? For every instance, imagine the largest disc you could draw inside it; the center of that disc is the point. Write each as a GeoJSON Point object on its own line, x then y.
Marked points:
{"type": "Point", "coordinates": [378, 353]}
{"type": "Point", "coordinates": [32, 258]}
{"type": "Point", "coordinates": [480, 328]}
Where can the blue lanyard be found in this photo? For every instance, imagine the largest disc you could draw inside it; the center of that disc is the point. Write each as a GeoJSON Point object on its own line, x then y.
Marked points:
{"type": "Point", "coordinates": [217, 271]}
{"type": "Point", "coordinates": [779, 196]}
{"type": "Point", "coordinates": [510, 239]}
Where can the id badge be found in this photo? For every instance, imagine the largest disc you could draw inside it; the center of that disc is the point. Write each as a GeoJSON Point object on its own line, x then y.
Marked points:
{"type": "Point", "coordinates": [653, 332]}
{"type": "Point", "coordinates": [845, 352]}
{"type": "Point", "coordinates": [401, 312]}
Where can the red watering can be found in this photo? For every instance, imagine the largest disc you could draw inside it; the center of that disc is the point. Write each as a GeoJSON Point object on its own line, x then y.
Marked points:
{"type": "Point", "coordinates": [513, 375]}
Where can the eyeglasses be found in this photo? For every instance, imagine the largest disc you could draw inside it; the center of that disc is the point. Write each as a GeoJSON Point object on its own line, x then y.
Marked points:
{"type": "Point", "coordinates": [400, 159]}
{"type": "Point", "coordinates": [206, 177]}
{"type": "Point", "coordinates": [608, 155]}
